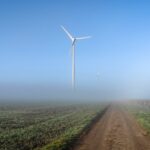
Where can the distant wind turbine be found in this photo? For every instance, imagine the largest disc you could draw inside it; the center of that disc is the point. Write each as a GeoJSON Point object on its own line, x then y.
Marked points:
{"type": "Point", "coordinates": [73, 40]}
{"type": "Point", "coordinates": [98, 75]}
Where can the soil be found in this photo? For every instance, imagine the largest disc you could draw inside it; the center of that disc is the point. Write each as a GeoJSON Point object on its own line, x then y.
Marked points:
{"type": "Point", "coordinates": [116, 130]}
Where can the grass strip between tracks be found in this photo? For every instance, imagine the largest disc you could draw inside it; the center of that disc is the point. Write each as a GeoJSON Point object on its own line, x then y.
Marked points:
{"type": "Point", "coordinates": [141, 111]}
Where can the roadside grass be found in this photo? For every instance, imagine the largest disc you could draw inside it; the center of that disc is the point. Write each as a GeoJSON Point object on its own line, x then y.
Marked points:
{"type": "Point", "coordinates": [144, 119]}
{"type": "Point", "coordinates": [141, 111]}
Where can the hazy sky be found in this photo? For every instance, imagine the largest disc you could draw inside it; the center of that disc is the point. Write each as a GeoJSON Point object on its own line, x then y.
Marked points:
{"type": "Point", "coordinates": [35, 52]}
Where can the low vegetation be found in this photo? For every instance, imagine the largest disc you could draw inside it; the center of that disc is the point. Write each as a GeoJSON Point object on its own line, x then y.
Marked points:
{"type": "Point", "coordinates": [44, 127]}
{"type": "Point", "coordinates": [141, 110]}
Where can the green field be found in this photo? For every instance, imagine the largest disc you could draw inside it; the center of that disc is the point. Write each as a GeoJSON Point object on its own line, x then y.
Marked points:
{"type": "Point", "coordinates": [44, 127]}
{"type": "Point", "coordinates": [141, 110]}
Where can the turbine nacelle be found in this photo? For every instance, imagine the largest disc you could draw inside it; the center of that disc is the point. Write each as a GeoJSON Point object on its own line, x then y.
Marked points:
{"type": "Point", "coordinates": [73, 41]}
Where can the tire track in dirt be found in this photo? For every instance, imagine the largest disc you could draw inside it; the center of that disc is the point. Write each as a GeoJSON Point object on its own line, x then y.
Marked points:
{"type": "Point", "coordinates": [116, 130]}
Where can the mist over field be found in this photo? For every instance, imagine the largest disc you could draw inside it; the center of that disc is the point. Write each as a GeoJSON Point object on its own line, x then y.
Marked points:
{"type": "Point", "coordinates": [60, 93]}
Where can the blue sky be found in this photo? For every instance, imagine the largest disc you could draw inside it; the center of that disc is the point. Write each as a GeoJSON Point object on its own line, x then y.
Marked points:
{"type": "Point", "coordinates": [34, 51]}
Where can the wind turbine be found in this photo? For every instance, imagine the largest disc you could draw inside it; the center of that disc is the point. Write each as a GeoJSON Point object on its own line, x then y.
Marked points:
{"type": "Point", "coordinates": [73, 41]}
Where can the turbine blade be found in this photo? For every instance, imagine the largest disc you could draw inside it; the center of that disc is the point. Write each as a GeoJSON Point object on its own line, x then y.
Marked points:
{"type": "Point", "coordinates": [82, 38]}
{"type": "Point", "coordinates": [69, 35]}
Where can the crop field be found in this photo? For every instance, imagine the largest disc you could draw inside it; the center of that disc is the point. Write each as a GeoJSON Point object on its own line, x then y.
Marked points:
{"type": "Point", "coordinates": [141, 110]}
{"type": "Point", "coordinates": [44, 126]}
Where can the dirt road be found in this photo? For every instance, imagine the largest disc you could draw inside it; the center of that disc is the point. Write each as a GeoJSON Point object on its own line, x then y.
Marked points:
{"type": "Point", "coordinates": [116, 130]}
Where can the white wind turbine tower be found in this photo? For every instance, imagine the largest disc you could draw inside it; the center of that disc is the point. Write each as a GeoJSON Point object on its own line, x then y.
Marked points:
{"type": "Point", "coordinates": [73, 40]}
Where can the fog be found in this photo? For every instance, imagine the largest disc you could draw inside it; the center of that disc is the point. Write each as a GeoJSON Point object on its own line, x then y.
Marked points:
{"type": "Point", "coordinates": [11, 92]}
